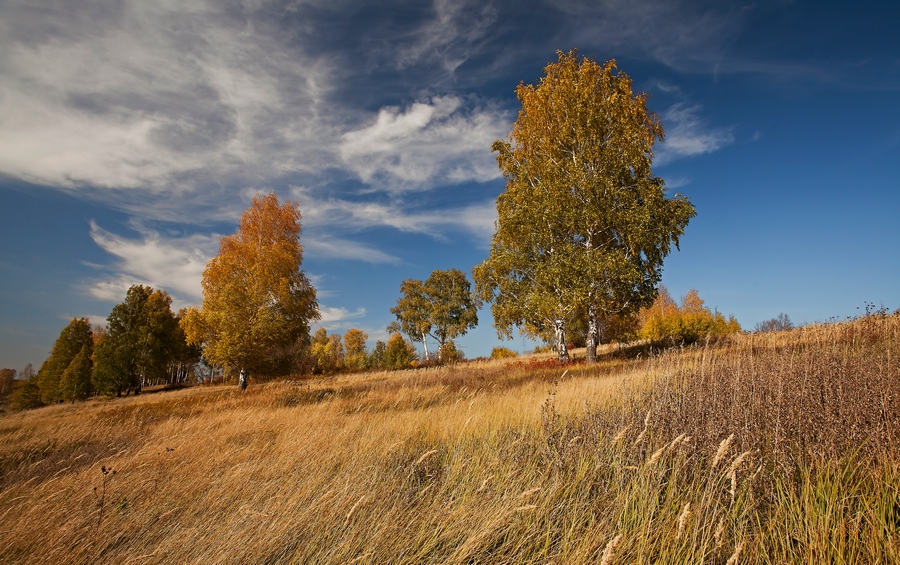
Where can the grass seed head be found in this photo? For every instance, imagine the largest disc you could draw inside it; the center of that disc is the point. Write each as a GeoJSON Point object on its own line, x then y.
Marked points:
{"type": "Point", "coordinates": [733, 560]}
{"type": "Point", "coordinates": [723, 449]}
{"type": "Point", "coordinates": [683, 518]}
{"type": "Point", "coordinates": [609, 553]}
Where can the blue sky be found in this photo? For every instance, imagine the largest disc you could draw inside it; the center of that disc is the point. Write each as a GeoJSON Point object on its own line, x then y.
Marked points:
{"type": "Point", "coordinates": [133, 134]}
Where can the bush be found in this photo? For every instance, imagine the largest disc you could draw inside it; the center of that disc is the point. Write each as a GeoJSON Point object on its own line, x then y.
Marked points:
{"type": "Point", "coordinates": [502, 353]}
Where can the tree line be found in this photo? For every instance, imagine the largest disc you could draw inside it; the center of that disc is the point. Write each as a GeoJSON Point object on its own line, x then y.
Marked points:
{"type": "Point", "coordinates": [142, 345]}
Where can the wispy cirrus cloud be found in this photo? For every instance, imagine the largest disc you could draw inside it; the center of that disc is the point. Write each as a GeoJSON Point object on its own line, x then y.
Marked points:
{"type": "Point", "coordinates": [155, 97]}
{"type": "Point", "coordinates": [682, 34]}
{"type": "Point", "coordinates": [689, 135]}
{"type": "Point", "coordinates": [172, 264]}
{"type": "Point", "coordinates": [455, 29]}
{"type": "Point", "coordinates": [350, 217]}
{"type": "Point", "coordinates": [339, 248]}
{"type": "Point", "coordinates": [441, 141]}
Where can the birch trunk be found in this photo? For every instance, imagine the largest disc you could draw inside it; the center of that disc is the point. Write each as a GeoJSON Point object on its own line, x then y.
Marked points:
{"type": "Point", "coordinates": [593, 336]}
{"type": "Point", "coordinates": [561, 351]}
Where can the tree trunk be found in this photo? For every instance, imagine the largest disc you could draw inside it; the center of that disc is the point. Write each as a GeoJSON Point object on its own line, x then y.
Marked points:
{"type": "Point", "coordinates": [561, 351]}
{"type": "Point", "coordinates": [425, 345]}
{"type": "Point", "coordinates": [593, 336]}
{"type": "Point", "coordinates": [243, 377]}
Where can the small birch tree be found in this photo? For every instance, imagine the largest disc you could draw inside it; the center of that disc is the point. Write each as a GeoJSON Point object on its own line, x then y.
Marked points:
{"type": "Point", "coordinates": [442, 308]}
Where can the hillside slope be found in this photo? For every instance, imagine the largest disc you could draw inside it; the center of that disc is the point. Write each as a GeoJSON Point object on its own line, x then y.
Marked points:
{"type": "Point", "coordinates": [773, 448]}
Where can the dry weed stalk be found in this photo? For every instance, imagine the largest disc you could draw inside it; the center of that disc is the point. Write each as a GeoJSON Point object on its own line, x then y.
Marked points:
{"type": "Point", "coordinates": [609, 552]}
{"type": "Point", "coordinates": [734, 559]}
{"type": "Point", "coordinates": [683, 518]}
{"type": "Point", "coordinates": [723, 449]}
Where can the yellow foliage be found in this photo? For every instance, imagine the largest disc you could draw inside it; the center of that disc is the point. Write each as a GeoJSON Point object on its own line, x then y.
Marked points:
{"type": "Point", "coordinates": [257, 302]}
{"type": "Point", "coordinates": [689, 322]}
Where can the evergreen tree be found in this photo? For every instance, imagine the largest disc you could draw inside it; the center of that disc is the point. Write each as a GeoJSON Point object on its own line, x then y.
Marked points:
{"type": "Point", "coordinates": [376, 358]}
{"type": "Point", "coordinates": [75, 383]}
{"type": "Point", "coordinates": [68, 345]}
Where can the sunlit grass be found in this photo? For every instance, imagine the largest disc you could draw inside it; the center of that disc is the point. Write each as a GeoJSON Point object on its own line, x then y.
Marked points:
{"type": "Point", "coordinates": [759, 449]}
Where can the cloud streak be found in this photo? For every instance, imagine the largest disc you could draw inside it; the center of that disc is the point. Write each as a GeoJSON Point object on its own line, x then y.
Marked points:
{"type": "Point", "coordinates": [175, 264]}
{"type": "Point", "coordinates": [440, 141]}
{"type": "Point", "coordinates": [688, 135]}
{"type": "Point", "coordinates": [155, 98]}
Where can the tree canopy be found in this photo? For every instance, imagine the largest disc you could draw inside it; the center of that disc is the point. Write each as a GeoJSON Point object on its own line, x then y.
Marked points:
{"type": "Point", "coordinates": [583, 224]}
{"type": "Point", "coordinates": [693, 320]}
{"type": "Point", "coordinates": [441, 307]}
{"type": "Point", "coordinates": [72, 339]}
{"type": "Point", "coordinates": [257, 303]}
{"type": "Point", "coordinates": [142, 339]}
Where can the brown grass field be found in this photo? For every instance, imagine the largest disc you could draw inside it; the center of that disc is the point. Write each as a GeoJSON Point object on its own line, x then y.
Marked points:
{"type": "Point", "coordinates": [772, 448]}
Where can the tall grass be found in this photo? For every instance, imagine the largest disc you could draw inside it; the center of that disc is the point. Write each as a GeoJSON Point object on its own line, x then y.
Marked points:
{"type": "Point", "coordinates": [757, 449]}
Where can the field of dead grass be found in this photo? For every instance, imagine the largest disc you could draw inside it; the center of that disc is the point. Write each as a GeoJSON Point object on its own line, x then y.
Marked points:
{"type": "Point", "coordinates": [780, 448]}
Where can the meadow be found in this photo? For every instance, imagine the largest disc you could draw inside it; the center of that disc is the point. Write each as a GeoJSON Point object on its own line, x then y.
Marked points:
{"type": "Point", "coordinates": [756, 448]}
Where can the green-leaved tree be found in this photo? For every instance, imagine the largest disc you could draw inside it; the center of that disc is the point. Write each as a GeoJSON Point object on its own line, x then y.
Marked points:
{"type": "Point", "coordinates": [68, 345]}
{"type": "Point", "coordinates": [442, 308]}
{"type": "Point", "coordinates": [141, 341]}
{"type": "Point", "coordinates": [584, 224]}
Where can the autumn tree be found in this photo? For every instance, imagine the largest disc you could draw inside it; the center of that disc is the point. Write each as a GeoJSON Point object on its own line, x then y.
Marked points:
{"type": "Point", "coordinates": [7, 380]}
{"type": "Point", "coordinates": [25, 392]}
{"type": "Point", "coordinates": [185, 356]}
{"type": "Point", "coordinates": [583, 225]}
{"type": "Point", "coordinates": [141, 341]}
{"type": "Point", "coordinates": [257, 303]}
{"type": "Point", "coordinates": [68, 345]}
{"type": "Point", "coordinates": [688, 322]}
{"type": "Point", "coordinates": [398, 353]}
{"type": "Point", "coordinates": [355, 352]}
{"type": "Point", "coordinates": [327, 352]}
{"type": "Point", "coordinates": [441, 307]}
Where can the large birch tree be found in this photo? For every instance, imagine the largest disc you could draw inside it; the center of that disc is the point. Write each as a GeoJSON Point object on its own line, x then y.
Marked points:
{"type": "Point", "coordinates": [584, 224]}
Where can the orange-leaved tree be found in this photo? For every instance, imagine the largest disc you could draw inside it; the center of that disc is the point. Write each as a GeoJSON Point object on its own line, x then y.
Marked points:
{"type": "Point", "coordinates": [356, 355]}
{"type": "Point", "coordinates": [257, 303]}
{"type": "Point", "coordinates": [688, 323]}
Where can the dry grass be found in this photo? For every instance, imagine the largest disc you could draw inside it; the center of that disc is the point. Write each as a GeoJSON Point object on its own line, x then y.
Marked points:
{"type": "Point", "coordinates": [626, 462]}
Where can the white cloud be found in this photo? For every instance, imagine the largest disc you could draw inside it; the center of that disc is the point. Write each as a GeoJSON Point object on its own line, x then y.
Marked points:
{"type": "Point", "coordinates": [688, 135]}
{"type": "Point", "coordinates": [140, 95]}
{"type": "Point", "coordinates": [172, 264]}
{"type": "Point", "coordinates": [444, 140]}
{"type": "Point", "coordinates": [345, 216]}
{"type": "Point", "coordinates": [336, 248]}
{"type": "Point", "coordinates": [336, 316]}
